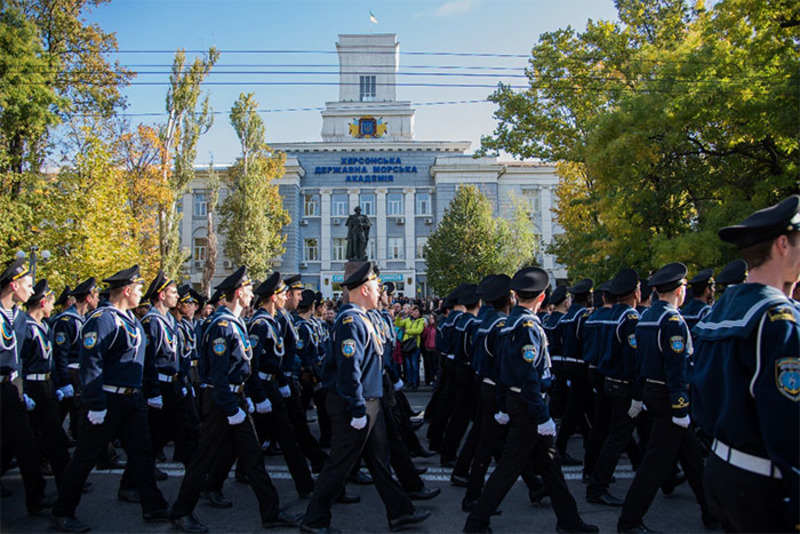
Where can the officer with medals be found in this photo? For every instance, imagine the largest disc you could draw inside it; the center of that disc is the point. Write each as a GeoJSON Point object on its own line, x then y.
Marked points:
{"type": "Point", "coordinates": [228, 353]}
{"type": "Point", "coordinates": [353, 377]}
{"type": "Point", "coordinates": [746, 382]}
{"type": "Point", "coordinates": [112, 366]}
{"type": "Point", "coordinates": [37, 369]}
{"type": "Point", "coordinates": [664, 347]}
{"type": "Point", "coordinates": [524, 371]}
{"type": "Point", "coordinates": [15, 431]}
{"type": "Point", "coordinates": [702, 289]}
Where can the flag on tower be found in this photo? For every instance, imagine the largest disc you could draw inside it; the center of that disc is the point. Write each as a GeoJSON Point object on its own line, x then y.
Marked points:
{"type": "Point", "coordinates": [372, 18]}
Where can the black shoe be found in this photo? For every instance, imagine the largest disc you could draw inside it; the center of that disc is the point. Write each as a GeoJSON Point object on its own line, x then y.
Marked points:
{"type": "Point", "coordinates": [416, 425]}
{"type": "Point", "coordinates": [469, 506]}
{"type": "Point", "coordinates": [68, 524]}
{"type": "Point", "coordinates": [361, 478]}
{"type": "Point", "coordinates": [190, 524]}
{"type": "Point", "coordinates": [44, 502]}
{"type": "Point", "coordinates": [605, 498]}
{"type": "Point", "coordinates": [129, 495]}
{"type": "Point", "coordinates": [535, 496]}
{"type": "Point", "coordinates": [423, 494]}
{"type": "Point", "coordinates": [422, 452]}
{"type": "Point", "coordinates": [459, 481]}
{"type": "Point", "coordinates": [417, 516]}
{"type": "Point", "coordinates": [566, 459]}
{"type": "Point", "coordinates": [348, 498]}
{"type": "Point", "coordinates": [156, 516]}
{"type": "Point", "coordinates": [448, 464]}
{"type": "Point", "coordinates": [672, 482]}
{"type": "Point", "coordinates": [578, 528]}
{"type": "Point", "coordinates": [308, 529]}
{"type": "Point", "coordinates": [160, 475]}
{"type": "Point", "coordinates": [217, 499]}
{"type": "Point", "coordinates": [283, 520]}
{"type": "Point", "coordinates": [421, 470]}
{"type": "Point", "coordinates": [639, 529]}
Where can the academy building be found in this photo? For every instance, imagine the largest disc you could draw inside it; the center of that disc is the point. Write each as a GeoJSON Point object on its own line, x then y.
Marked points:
{"type": "Point", "coordinates": [368, 157]}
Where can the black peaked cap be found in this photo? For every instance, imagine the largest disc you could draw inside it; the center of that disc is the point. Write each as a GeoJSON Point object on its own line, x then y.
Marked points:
{"type": "Point", "coordinates": [294, 282]}
{"type": "Point", "coordinates": [236, 280]}
{"type": "Point", "coordinates": [530, 280]}
{"type": "Point", "coordinates": [497, 288]}
{"type": "Point", "coordinates": [624, 283]}
{"type": "Point", "coordinates": [360, 276]}
{"type": "Point", "coordinates": [702, 278]}
{"type": "Point", "coordinates": [62, 298]}
{"type": "Point", "coordinates": [40, 290]}
{"type": "Point", "coordinates": [558, 296]}
{"type": "Point", "coordinates": [159, 284]}
{"type": "Point", "coordinates": [582, 287]}
{"type": "Point", "coordinates": [388, 287]}
{"type": "Point", "coordinates": [306, 298]}
{"type": "Point", "coordinates": [469, 296]}
{"type": "Point", "coordinates": [14, 271]}
{"type": "Point", "coordinates": [124, 278]}
{"type": "Point", "coordinates": [668, 277]}
{"type": "Point", "coordinates": [85, 287]}
{"type": "Point", "coordinates": [273, 284]}
{"type": "Point", "coordinates": [733, 273]}
{"type": "Point", "coordinates": [765, 224]}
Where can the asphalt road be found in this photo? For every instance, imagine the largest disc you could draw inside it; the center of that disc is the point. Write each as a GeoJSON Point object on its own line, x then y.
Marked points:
{"type": "Point", "coordinates": [104, 513]}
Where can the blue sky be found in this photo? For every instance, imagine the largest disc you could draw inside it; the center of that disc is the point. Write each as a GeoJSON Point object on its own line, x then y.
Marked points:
{"type": "Point", "coordinates": [500, 27]}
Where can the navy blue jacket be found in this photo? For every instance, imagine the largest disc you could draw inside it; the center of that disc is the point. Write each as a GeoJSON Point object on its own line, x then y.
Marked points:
{"type": "Point", "coordinates": [485, 344]}
{"type": "Point", "coordinates": [554, 331]}
{"type": "Point", "coordinates": [290, 335]}
{"type": "Point", "coordinates": [228, 353]}
{"type": "Point", "coordinates": [37, 349]}
{"type": "Point", "coordinates": [694, 311]}
{"type": "Point", "coordinates": [445, 340]}
{"type": "Point", "coordinates": [268, 350]}
{"type": "Point", "coordinates": [591, 336]}
{"type": "Point", "coordinates": [12, 334]}
{"type": "Point", "coordinates": [66, 328]}
{"type": "Point", "coordinates": [463, 332]}
{"type": "Point", "coordinates": [617, 336]}
{"type": "Point", "coordinates": [572, 330]}
{"type": "Point", "coordinates": [163, 348]}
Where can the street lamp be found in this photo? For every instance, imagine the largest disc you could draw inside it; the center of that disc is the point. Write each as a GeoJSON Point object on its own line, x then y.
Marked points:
{"type": "Point", "coordinates": [45, 255]}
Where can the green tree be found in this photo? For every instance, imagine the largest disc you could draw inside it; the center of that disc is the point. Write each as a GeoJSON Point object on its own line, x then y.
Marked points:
{"type": "Point", "coordinates": [252, 214]}
{"type": "Point", "coordinates": [212, 201]}
{"type": "Point", "coordinates": [518, 236]}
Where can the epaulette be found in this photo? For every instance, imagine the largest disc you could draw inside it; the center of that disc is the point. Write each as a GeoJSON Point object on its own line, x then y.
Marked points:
{"type": "Point", "coordinates": [347, 320]}
{"type": "Point", "coordinates": [781, 313]}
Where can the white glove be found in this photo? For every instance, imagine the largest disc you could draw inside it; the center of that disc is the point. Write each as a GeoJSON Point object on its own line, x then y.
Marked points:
{"type": "Point", "coordinates": [67, 391]}
{"type": "Point", "coordinates": [547, 429]}
{"type": "Point", "coordinates": [156, 402]}
{"type": "Point", "coordinates": [30, 404]}
{"type": "Point", "coordinates": [285, 392]}
{"type": "Point", "coordinates": [250, 406]}
{"type": "Point", "coordinates": [97, 418]}
{"type": "Point", "coordinates": [184, 392]}
{"type": "Point", "coordinates": [502, 418]}
{"type": "Point", "coordinates": [682, 421]}
{"type": "Point", "coordinates": [59, 395]}
{"type": "Point", "coordinates": [399, 384]}
{"type": "Point", "coordinates": [264, 406]}
{"type": "Point", "coordinates": [358, 422]}
{"type": "Point", "coordinates": [635, 409]}
{"type": "Point", "coordinates": [237, 418]}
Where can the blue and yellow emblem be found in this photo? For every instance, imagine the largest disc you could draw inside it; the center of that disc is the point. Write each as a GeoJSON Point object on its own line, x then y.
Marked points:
{"type": "Point", "coordinates": [349, 348]}
{"type": "Point", "coordinates": [300, 343]}
{"type": "Point", "coordinates": [529, 353]}
{"type": "Point", "coordinates": [253, 341]}
{"type": "Point", "coordinates": [677, 343]}
{"type": "Point", "coordinates": [61, 338]}
{"type": "Point", "coordinates": [632, 341]}
{"type": "Point", "coordinates": [787, 378]}
{"type": "Point", "coordinates": [219, 346]}
{"type": "Point", "coordinates": [89, 340]}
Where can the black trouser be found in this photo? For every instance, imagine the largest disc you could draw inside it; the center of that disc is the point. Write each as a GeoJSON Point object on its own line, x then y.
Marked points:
{"type": "Point", "coordinates": [574, 417]}
{"type": "Point", "coordinates": [620, 433]}
{"type": "Point", "coordinates": [558, 390]}
{"type": "Point", "coordinates": [71, 405]}
{"type": "Point", "coordinates": [667, 440]}
{"type": "Point", "coordinates": [46, 422]}
{"type": "Point", "coordinates": [524, 445]}
{"type": "Point", "coordinates": [430, 360]}
{"type": "Point", "coordinates": [347, 446]}
{"type": "Point", "coordinates": [600, 420]}
{"type": "Point", "coordinates": [466, 396]}
{"type": "Point", "coordinates": [431, 407]}
{"type": "Point", "coordinates": [444, 405]}
{"type": "Point", "coordinates": [173, 422]}
{"type": "Point", "coordinates": [308, 443]}
{"type": "Point", "coordinates": [401, 411]}
{"type": "Point", "coordinates": [16, 437]}
{"type": "Point", "coordinates": [403, 467]}
{"type": "Point", "coordinates": [215, 435]}
{"type": "Point", "coordinates": [126, 418]}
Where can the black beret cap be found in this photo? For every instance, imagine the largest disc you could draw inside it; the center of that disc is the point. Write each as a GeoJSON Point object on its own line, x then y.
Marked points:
{"type": "Point", "coordinates": [14, 271]}
{"type": "Point", "coordinates": [159, 284]}
{"type": "Point", "coordinates": [497, 288]}
{"type": "Point", "coordinates": [388, 287]}
{"type": "Point", "coordinates": [765, 225]}
{"type": "Point", "coordinates": [236, 280]}
{"type": "Point", "coordinates": [530, 280]}
{"type": "Point", "coordinates": [85, 287]}
{"type": "Point", "coordinates": [360, 276]}
{"type": "Point", "coordinates": [624, 283]}
{"type": "Point", "coordinates": [62, 298]}
{"type": "Point", "coordinates": [306, 298]}
{"type": "Point", "coordinates": [40, 291]}
{"type": "Point", "coordinates": [124, 278]}
{"type": "Point", "coordinates": [294, 282]}
{"type": "Point", "coordinates": [733, 273]}
{"type": "Point", "coordinates": [668, 277]}
{"type": "Point", "coordinates": [273, 284]}
{"type": "Point", "coordinates": [582, 287]}
{"type": "Point", "coordinates": [468, 296]}
{"type": "Point", "coordinates": [558, 296]}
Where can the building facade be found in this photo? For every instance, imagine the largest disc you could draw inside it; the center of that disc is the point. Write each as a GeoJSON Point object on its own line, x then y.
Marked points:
{"type": "Point", "coordinates": [368, 157]}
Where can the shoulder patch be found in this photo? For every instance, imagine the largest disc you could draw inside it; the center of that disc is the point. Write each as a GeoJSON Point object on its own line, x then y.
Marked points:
{"type": "Point", "coordinates": [681, 403]}
{"type": "Point", "coordinates": [65, 318]}
{"type": "Point", "coordinates": [349, 348]}
{"type": "Point", "coordinates": [529, 353]}
{"type": "Point", "coordinates": [781, 313]}
{"type": "Point", "coordinates": [223, 323]}
{"type": "Point", "coordinates": [674, 318]}
{"type": "Point", "coordinates": [218, 345]}
{"type": "Point", "coordinates": [632, 341]}
{"type": "Point", "coordinates": [787, 378]}
{"type": "Point", "coordinates": [677, 343]}
{"type": "Point", "coordinates": [300, 343]}
{"type": "Point", "coordinates": [501, 324]}
{"type": "Point", "coordinates": [528, 324]}
{"type": "Point", "coordinates": [146, 320]}
{"type": "Point", "coordinates": [90, 340]}
{"type": "Point", "coordinates": [347, 320]}
{"type": "Point", "coordinates": [632, 315]}
{"type": "Point", "coordinates": [61, 338]}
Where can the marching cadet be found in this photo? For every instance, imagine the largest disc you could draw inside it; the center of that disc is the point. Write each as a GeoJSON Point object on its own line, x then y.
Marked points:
{"type": "Point", "coordinates": [64, 301]}
{"type": "Point", "coordinates": [559, 302]}
{"type": "Point", "coordinates": [228, 353]}
{"type": "Point", "coordinates": [188, 303]}
{"type": "Point", "coordinates": [702, 286]}
{"type": "Point", "coordinates": [353, 377]}
{"type": "Point", "coordinates": [524, 368]}
{"type": "Point", "coordinates": [746, 383]}
{"type": "Point", "coordinates": [37, 370]}
{"type": "Point", "coordinates": [112, 365]}
{"type": "Point", "coordinates": [165, 388]}
{"type": "Point", "coordinates": [664, 346]}
{"type": "Point", "coordinates": [15, 431]}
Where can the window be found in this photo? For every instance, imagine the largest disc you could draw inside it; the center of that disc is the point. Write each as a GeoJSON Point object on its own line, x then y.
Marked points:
{"type": "Point", "coordinates": [421, 242]}
{"type": "Point", "coordinates": [367, 203]}
{"type": "Point", "coordinates": [339, 205]}
{"type": "Point", "coordinates": [200, 203]}
{"type": "Point", "coordinates": [394, 204]}
{"type": "Point", "coordinates": [423, 204]}
{"type": "Point", "coordinates": [371, 249]}
{"type": "Point", "coordinates": [531, 199]}
{"type": "Point", "coordinates": [311, 205]}
{"type": "Point", "coordinates": [395, 248]}
{"type": "Point", "coordinates": [367, 88]}
{"type": "Point", "coordinates": [339, 249]}
{"type": "Point", "coordinates": [199, 247]}
{"type": "Point", "coordinates": [310, 250]}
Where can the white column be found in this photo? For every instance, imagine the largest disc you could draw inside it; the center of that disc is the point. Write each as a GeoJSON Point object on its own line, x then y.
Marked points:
{"type": "Point", "coordinates": [410, 227]}
{"type": "Point", "coordinates": [380, 222]}
{"type": "Point", "coordinates": [545, 201]}
{"type": "Point", "coordinates": [325, 229]}
{"type": "Point", "coordinates": [352, 200]}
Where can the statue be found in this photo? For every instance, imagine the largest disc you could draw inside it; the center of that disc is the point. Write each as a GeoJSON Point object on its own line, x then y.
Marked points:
{"type": "Point", "coordinates": [357, 235]}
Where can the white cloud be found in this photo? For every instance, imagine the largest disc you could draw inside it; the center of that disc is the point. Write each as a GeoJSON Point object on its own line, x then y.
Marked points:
{"type": "Point", "coordinates": [455, 7]}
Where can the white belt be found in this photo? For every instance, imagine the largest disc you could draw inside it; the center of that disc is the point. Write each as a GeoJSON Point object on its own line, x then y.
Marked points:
{"type": "Point", "coordinates": [515, 389]}
{"type": "Point", "coordinates": [74, 365]}
{"type": "Point", "coordinates": [194, 363]}
{"type": "Point", "coordinates": [121, 390]}
{"type": "Point", "coordinates": [556, 358]}
{"type": "Point", "coordinates": [654, 381]}
{"type": "Point", "coordinates": [38, 377]}
{"type": "Point", "coordinates": [265, 376]}
{"type": "Point", "coordinates": [573, 360]}
{"type": "Point", "coordinates": [167, 378]}
{"type": "Point", "coordinates": [236, 388]}
{"type": "Point", "coordinates": [489, 381]}
{"type": "Point", "coordinates": [748, 462]}
{"type": "Point", "coordinates": [288, 374]}
{"type": "Point", "coordinates": [8, 378]}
